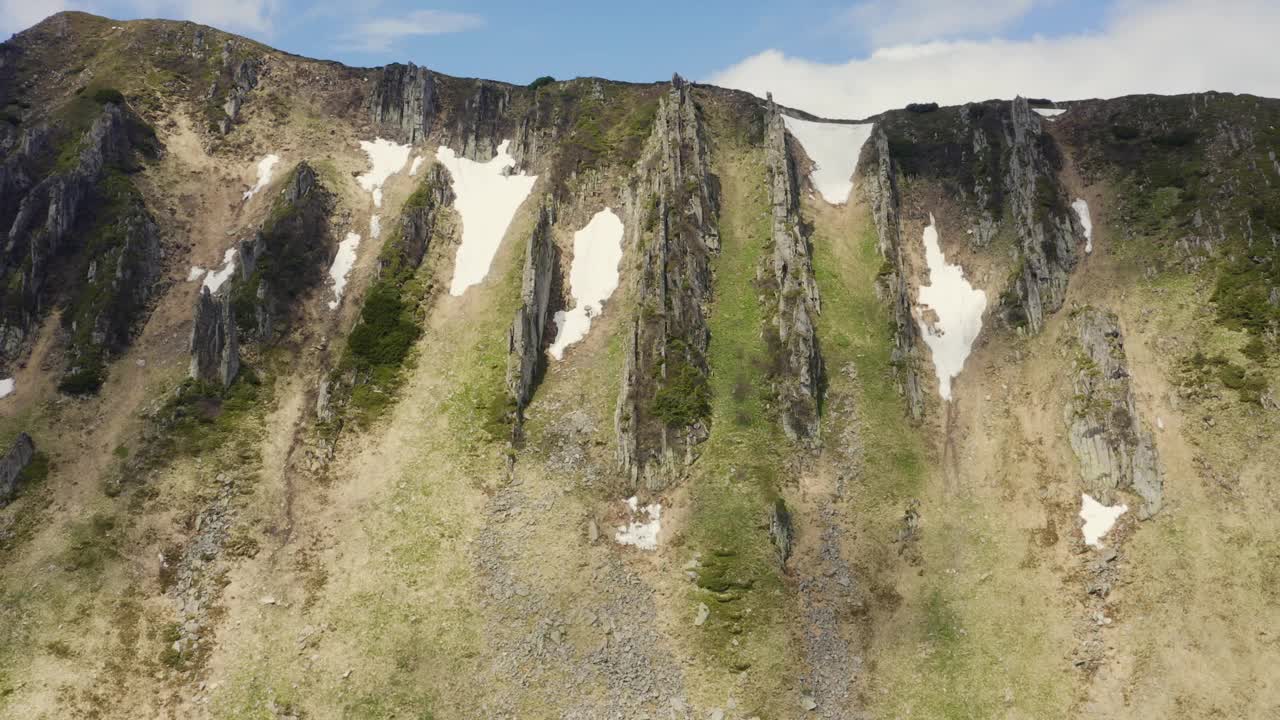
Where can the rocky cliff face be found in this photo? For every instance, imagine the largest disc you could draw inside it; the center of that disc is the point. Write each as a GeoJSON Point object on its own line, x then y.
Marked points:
{"type": "Point", "coordinates": [672, 210]}
{"type": "Point", "coordinates": [1048, 232]}
{"type": "Point", "coordinates": [1115, 448]}
{"type": "Point", "coordinates": [214, 346]}
{"type": "Point", "coordinates": [285, 257]}
{"type": "Point", "coordinates": [12, 465]}
{"type": "Point", "coordinates": [798, 303]}
{"type": "Point", "coordinates": [527, 338]}
{"type": "Point", "coordinates": [403, 103]}
{"type": "Point", "coordinates": [418, 221]}
{"type": "Point", "coordinates": [239, 77]}
{"type": "Point", "coordinates": [86, 214]}
{"type": "Point", "coordinates": [881, 177]}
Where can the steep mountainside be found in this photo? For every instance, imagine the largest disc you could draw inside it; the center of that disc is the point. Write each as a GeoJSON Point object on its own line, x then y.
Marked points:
{"type": "Point", "coordinates": [377, 393]}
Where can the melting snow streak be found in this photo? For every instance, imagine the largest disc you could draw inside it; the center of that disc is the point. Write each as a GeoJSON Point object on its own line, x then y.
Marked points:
{"type": "Point", "coordinates": [264, 175]}
{"type": "Point", "coordinates": [643, 535]}
{"type": "Point", "coordinates": [834, 150]}
{"type": "Point", "coordinates": [597, 250]}
{"type": "Point", "coordinates": [1082, 211]}
{"type": "Point", "coordinates": [958, 308]}
{"type": "Point", "coordinates": [1098, 519]}
{"type": "Point", "coordinates": [342, 263]}
{"type": "Point", "coordinates": [487, 197]}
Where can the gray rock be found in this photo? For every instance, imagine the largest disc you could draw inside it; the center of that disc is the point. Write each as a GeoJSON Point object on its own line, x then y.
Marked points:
{"type": "Point", "coordinates": [704, 612]}
{"type": "Point", "coordinates": [527, 339]}
{"type": "Point", "coordinates": [672, 210]}
{"type": "Point", "coordinates": [404, 101]}
{"type": "Point", "coordinates": [1114, 447]}
{"type": "Point", "coordinates": [795, 289]}
{"type": "Point", "coordinates": [215, 351]}
{"type": "Point", "coordinates": [781, 531]}
{"type": "Point", "coordinates": [12, 465]}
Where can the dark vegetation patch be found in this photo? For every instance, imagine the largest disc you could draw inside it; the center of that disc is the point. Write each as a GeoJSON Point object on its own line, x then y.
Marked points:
{"type": "Point", "coordinates": [1200, 370]}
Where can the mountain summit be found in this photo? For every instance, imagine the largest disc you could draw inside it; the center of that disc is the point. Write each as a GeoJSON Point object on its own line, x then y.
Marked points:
{"type": "Point", "coordinates": [331, 392]}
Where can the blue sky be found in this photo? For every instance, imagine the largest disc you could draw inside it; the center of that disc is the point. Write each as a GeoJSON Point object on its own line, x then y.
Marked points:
{"type": "Point", "coordinates": [519, 40]}
{"type": "Point", "coordinates": [841, 58]}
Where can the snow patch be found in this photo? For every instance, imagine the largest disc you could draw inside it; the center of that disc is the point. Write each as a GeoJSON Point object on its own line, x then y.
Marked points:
{"type": "Point", "coordinates": [641, 534]}
{"type": "Point", "coordinates": [342, 264]}
{"type": "Point", "coordinates": [265, 166]}
{"type": "Point", "coordinates": [958, 307]}
{"type": "Point", "coordinates": [213, 279]}
{"type": "Point", "coordinates": [1050, 112]}
{"type": "Point", "coordinates": [386, 157]}
{"type": "Point", "coordinates": [417, 163]}
{"type": "Point", "coordinates": [487, 196]}
{"type": "Point", "coordinates": [6, 387]}
{"type": "Point", "coordinates": [375, 226]}
{"type": "Point", "coordinates": [834, 150]}
{"type": "Point", "coordinates": [1082, 211]}
{"type": "Point", "coordinates": [195, 273]}
{"type": "Point", "coordinates": [597, 250]}
{"type": "Point", "coordinates": [1098, 519]}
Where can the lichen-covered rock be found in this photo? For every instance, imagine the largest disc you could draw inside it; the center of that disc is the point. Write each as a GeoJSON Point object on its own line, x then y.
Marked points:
{"type": "Point", "coordinates": [781, 530]}
{"type": "Point", "coordinates": [12, 465]}
{"type": "Point", "coordinates": [286, 257]}
{"type": "Point", "coordinates": [1116, 450]}
{"type": "Point", "coordinates": [242, 78]}
{"type": "Point", "coordinates": [215, 349]}
{"type": "Point", "coordinates": [799, 383]}
{"type": "Point", "coordinates": [403, 101]}
{"type": "Point", "coordinates": [1047, 230]}
{"type": "Point", "coordinates": [672, 210]}
{"type": "Point", "coordinates": [87, 218]}
{"type": "Point", "coordinates": [418, 219]}
{"type": "Point", "coordinates": [881, 175]}
{"type": "Point", "coordinates": [526, 340]}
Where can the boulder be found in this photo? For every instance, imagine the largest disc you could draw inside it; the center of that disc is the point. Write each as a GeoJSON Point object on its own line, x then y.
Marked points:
{"type": "Point", "coordinates": [215, 352]}
{"type": "Point", "coordinates": [12, 465]}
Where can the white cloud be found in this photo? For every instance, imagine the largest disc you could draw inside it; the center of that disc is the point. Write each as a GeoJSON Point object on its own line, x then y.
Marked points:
{"type": "Point", "coordinates": [18, 15]}
{"type": "Point", "coordinates": [381, 33]}
{"type": "Point", "coordinates": [899, 21]}
{"type": "Point", "coordinates": [234, 15]}
{"type": "Point", "coordinates": [1144, 47]}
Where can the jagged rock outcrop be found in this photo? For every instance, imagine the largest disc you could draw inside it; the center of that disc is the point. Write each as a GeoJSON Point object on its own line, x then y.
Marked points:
{"type": "Point", "coordinates": [12, 465]}
{"type": "Point", "coordinates": [672, 205]}
{"type": "Point", "coordinates": [285, 257]}
{"type": "Point", "coordinates": [1047, 230]}
{"type": "Point", "coordinates": [799, 383]}
{"type": "Point", "coordinates": [215, 348]}
{"type": "Point", "coordinates": [882, 188]}
{"type": "Point", "coordinates": [90, 215]}
{"type": "Point", "coordinates": [526, 339]}
{"type": "Point", "coordinates": [781, 530]}
{"type": "Point", "coordinates": [482, 120]}
{"type": "Point", "coordinates": [242, 79]}
{"type": "Point", "coordinates": [403, 101]}
{"type": "Point", "coordinates": [418, 221]}
{"type": "Point", "coordinates": [1116, 450]}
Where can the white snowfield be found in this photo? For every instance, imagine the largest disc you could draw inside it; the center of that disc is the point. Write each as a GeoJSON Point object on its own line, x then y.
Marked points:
{"type": "Point", "coordinates": [195, 273]}
{"type": "Point", "coordinates": [387, 158]}
{"type": "Point", "coordinates": [213, 279]}
{"type": "Point", "coordinates": [487, 196]}
{"type": "Point", "coordinates": [1050, 112]}
{"type": "Point", "coordinates": [342, 264]}
{"type": "Point", "coordinates": [597, 250]}
{"type": "Point", "coordinates": [417, 163]}
{"type": "Point", "coordinates": [1082, 211]}
{"type": "Point", "coordinates": [1098, 519]}
{"type": "Point", "coordinates": [265, 166]}
{"type": "Point", "coordinates": [834, 150]}
{"type": "Point", "coordinates": [6, 387]}
{"type": "Point", "coordinates": [958, 306]}
{"type": "Point", "coordinates": [375, 226]}
{"type": "Point", "coordinates": [641, 534]}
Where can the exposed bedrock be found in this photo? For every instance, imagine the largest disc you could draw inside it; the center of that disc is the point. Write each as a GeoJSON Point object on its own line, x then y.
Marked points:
{"type": "Point", "coordinates": [1115, 448]}
{"type": "Point", "coordinates": [87, 217]}
{"type": "Point", "coordinates": [241, 78]}
{"type": "Point", "coordinates": [672, 210]}
{"type": "Point", "coordinates": [403, 102]}
{"type": "Point", "coordinates": [527, 337]}
{"type": "Point", "coordinates": [418, 220]}
{"type": "Point", "coordinates": [1047, 230]}
{"type": "Point", "coordinates": [12, 464]}
{"type": "Point", "coordinates": [285, 258]}
{"type": "Point", "coordinates": [214, 346]}
{"type": "Point", "coordinates": [798, 304]}
{"type": "Point", "coordinates": [881, 177]}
